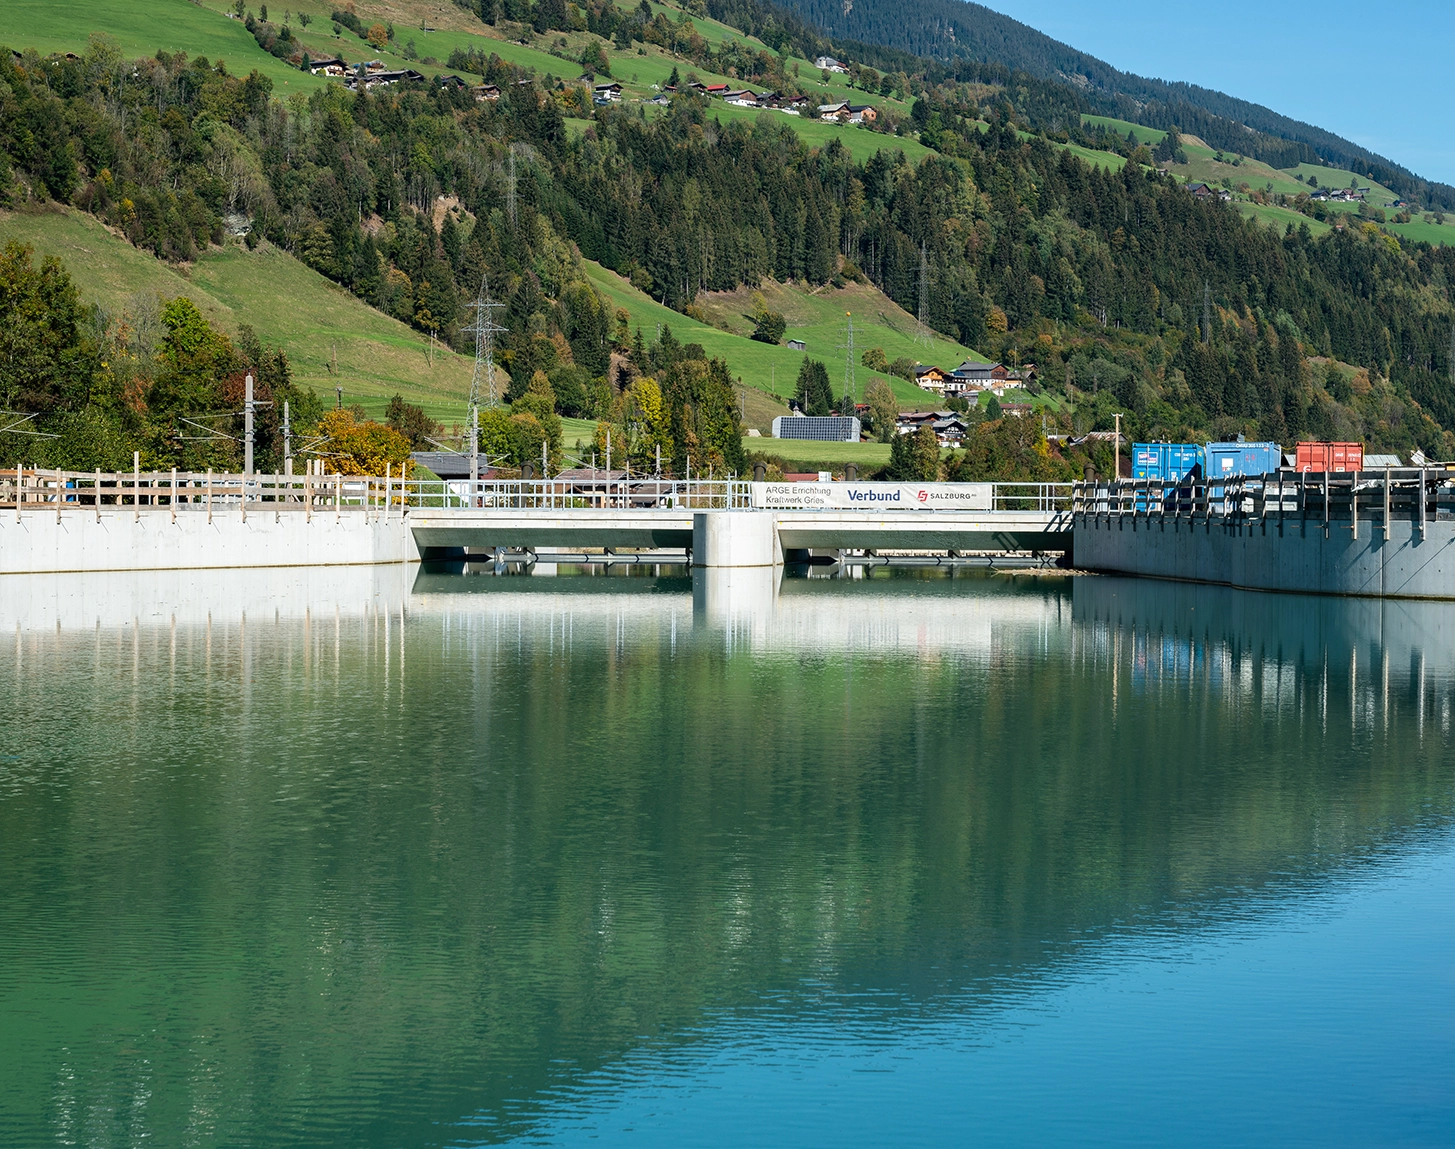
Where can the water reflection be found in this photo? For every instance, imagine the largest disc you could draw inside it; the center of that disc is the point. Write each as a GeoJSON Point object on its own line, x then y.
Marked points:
{"type": "Point", "coordinates": [355, 855]}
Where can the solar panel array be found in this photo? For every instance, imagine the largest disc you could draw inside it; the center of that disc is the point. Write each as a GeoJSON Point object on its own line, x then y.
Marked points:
{"type": "Point", "coordinates": [822, 428]}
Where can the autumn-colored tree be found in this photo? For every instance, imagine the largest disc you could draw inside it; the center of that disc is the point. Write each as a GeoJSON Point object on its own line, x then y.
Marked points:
{"type": "Point", "coordinates": [379, 37]}
{"type": "Point", "coordinates": [353, 448]}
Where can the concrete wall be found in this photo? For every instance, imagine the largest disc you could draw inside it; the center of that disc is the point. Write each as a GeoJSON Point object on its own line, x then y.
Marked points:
{"type": "Point", "coordinates": [1266, 556]}
{"type": "Point", "coordinates": [120, 540]}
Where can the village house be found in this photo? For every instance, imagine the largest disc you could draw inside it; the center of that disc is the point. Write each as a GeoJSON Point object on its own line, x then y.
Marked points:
{"type": "Point", "coordinates": [972, 378]}
{"type": "Point", "coordinates": [487, 92]}
{"type": "Point", "coordinates": [834, 111]}
{"type": "Point", "coordinates": [949, 428]}
{"type": "Point", "coordinates": [606, 93]}
{"type": "Point", "coordinates": [829, 64]}
{"type": "Point", "coordinates": [385, 79]}
{"type": "Point", "coordinates": [1203, 191]}
{"type": "Point", "coordinates": [741, 98]}
{"type": "Point", "coordinates": [331, 67]}
{"type": "Point", "coordinates": [931, 379]}
{"type": "Point", "coordinates": [862, 114]}
{"type": "Point", "coordinates": [797, 345]}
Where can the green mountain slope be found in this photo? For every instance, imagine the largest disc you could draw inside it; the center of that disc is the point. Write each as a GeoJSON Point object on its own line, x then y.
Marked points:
{"type": "Point", "coordinates": [952, 30]}
{"type": "Point", "coordinates": [144, 27]}
{"type": "Point", "coordinates": [316, 322]}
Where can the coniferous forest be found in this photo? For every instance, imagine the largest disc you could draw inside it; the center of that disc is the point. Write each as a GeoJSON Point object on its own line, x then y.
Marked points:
{"type": "Point", "coordinates": [1127, 293]}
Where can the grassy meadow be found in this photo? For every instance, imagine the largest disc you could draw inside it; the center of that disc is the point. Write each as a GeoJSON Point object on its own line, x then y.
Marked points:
{"type": "Point", "coordinates": [287, 303]}
{"type": "Point", "coordinates": [141, 28]}
{"type": "Point", "coordinates": [1204, 166]}
{"type": "Point", "coordinates": [817, 317]}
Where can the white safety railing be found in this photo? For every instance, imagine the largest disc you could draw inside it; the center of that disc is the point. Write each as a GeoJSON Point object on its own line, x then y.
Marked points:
{"type": "Point", "coordinates": [26, 489]}
{"type": "Point", "coordinates": [29, 490]}
{"type": "Point", "coordinates": [1046, 497]}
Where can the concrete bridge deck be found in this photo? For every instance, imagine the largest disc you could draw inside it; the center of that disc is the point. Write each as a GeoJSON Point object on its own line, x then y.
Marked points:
{"type": "Point", "coordinates": [64, 521]}
{"type": "Point", "coordinates": [446, 531]}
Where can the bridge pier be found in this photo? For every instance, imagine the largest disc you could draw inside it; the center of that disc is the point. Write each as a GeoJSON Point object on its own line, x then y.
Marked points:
{"type": "Point", "coordinates": [735, 539]}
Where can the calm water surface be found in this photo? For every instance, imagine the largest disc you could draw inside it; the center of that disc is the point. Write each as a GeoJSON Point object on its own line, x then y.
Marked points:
{"type": "Point", "coordinates": [383, 859]}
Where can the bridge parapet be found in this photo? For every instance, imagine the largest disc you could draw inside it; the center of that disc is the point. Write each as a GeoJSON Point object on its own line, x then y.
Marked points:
{"type": "Point", "coordinates": [1417, 495]}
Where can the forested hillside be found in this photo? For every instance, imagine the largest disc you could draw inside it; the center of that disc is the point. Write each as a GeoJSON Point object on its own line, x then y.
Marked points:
{"type": "Point", "coordinates": [954, 31]}
{"type": "Point", "coordinates": [1126, 291]}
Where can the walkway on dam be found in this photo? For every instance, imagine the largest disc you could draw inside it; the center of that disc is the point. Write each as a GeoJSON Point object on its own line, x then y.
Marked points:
{"type": "Point", "coordinates": [732, 523]}
{"type": "Point", "coordinates": [77, 521]}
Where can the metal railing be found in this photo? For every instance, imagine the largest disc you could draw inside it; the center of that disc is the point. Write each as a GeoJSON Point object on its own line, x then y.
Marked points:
{"type": "Point", "coordinates": [28, 490]}
{"type": "Point", "coordinates": [1410, 494]}
{"type": "Point", "coordinates": [1046, 497]}
{"type": "Point", "coordinates": [582, 493]}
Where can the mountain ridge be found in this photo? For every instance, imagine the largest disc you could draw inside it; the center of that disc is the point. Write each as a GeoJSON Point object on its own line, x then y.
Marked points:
{"type": "Point", "coordinates": [954, 30]}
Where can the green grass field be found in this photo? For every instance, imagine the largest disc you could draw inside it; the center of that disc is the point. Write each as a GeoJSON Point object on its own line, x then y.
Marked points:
{"type": "Point", "coordinates": [820, 314]}
{"type": "Point", "coordinates": [286, 303]}
{"type": "Point", "coordinates": [817, 317]}
{"type": "Point", "coordinates": [140, 28]}
{"type": "Point", "coordinates": [1145, 135]}
{"type": "Point", "coordinates": [1279, 218]}
{"type": "Point", "coordinates": [1204, 166]}
{"type": "Point", "coordinates": [813, 456]}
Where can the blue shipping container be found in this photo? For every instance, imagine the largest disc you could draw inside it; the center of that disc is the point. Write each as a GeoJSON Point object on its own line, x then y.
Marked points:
{"type": "Point", "coordinates": [1224, 460]}
{"type": "Point", "coordinates": [1167, 462]}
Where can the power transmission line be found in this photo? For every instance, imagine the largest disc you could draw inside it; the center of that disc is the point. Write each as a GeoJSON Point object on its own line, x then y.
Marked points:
{"type": "Point", "coordinates": [485, 329]}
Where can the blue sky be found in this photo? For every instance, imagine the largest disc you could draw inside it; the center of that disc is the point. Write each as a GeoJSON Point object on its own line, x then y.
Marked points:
{"type": "Point", "coordinates": [1380, 76]}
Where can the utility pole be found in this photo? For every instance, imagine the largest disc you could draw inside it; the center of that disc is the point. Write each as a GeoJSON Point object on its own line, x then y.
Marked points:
{"type": "Point", "coordinates": [287, 441]}
{"type": "Point", "coordinates": [248, 425]}
{"type": "Point", "coordinates": [339, 401]}
{"type": "Point", "coordinates": [1116, 447]}
{"type": "Point", "coordinates": [848, 346]}
{"type": "Point", "coordinates": [474, 446]}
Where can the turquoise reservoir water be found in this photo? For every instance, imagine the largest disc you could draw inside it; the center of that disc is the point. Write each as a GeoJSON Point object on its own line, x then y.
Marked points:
{"type": "Point", "coordinates": [371, 858]}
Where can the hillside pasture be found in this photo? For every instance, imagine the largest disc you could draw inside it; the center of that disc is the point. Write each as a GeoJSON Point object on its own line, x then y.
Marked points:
{"type": "Point", "coordinates": [144, 27]}
{"type": "Point", "coordinates": [286, 303]}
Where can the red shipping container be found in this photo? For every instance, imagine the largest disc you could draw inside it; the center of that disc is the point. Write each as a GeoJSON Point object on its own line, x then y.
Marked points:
{"type": "Point", "coordinates": [1330, 456]}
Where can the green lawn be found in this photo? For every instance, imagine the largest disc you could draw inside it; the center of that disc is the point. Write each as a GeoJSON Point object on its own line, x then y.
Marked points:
{"type": "Point", "coordinates": [809, 454]}
{"type": "Point", "coordinates": [285, 302]}
{"type": "Point", "coordinates": [140, 28]}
